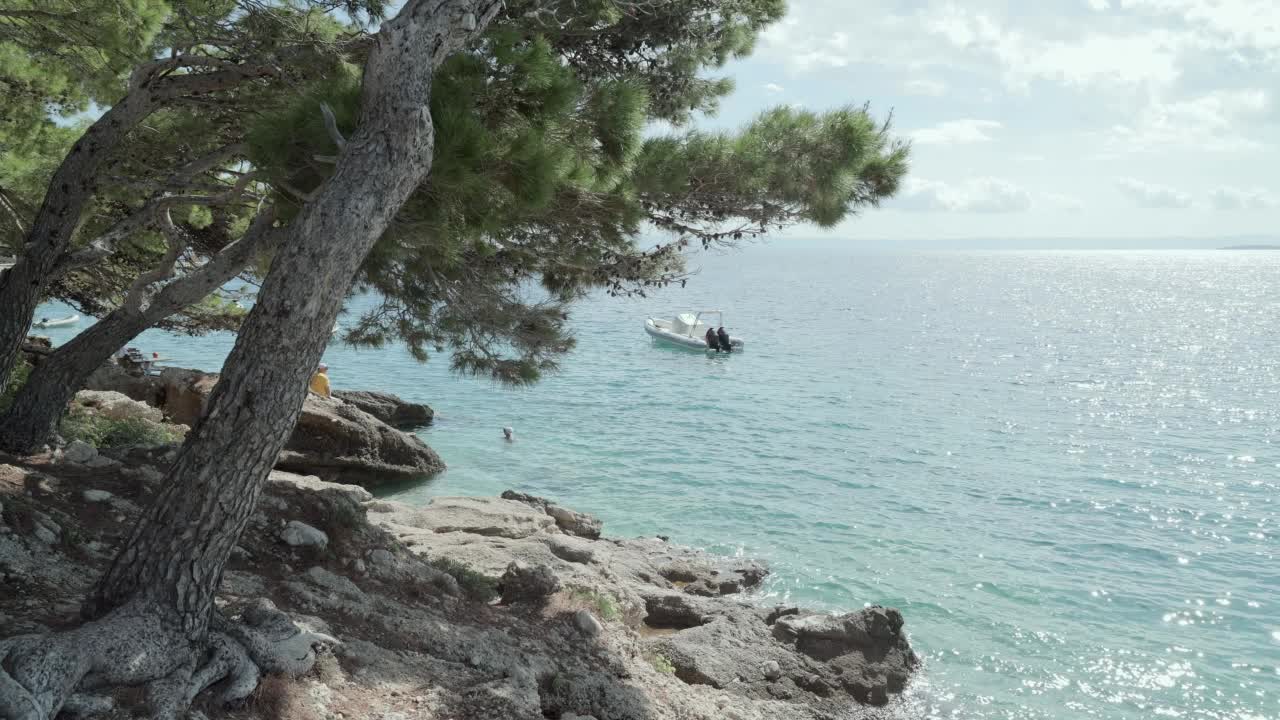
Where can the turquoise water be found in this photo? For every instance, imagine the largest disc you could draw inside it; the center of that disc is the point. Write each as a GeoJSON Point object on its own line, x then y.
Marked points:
{"type": "Point", "coordinates": [1062, 466]}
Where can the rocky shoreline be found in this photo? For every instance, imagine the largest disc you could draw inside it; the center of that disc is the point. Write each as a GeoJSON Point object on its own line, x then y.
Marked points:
{"type": "Point", "coordinates": [469, 607]}
{"type": "Point", "coordinates": [511, 607]}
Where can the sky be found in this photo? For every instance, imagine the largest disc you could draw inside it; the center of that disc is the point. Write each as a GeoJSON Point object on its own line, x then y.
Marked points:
{"type": "Point", "coordinates": [1118, 119]}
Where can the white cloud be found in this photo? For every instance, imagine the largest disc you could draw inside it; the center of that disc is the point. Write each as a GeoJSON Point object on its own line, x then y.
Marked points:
{"type": "Point", "coordinates": [1085, 59]}
{"type": "Point", "coordinates": [1056, 100]}
{"type": "Point", "coordinates": [1148, 195]}
{"type": "Point", "coordinates": [953, 132]}
{"type": "Point", "coordinates": [1233, 24]}
{"type": "Point", "coordinates": [1061, 202]}
{"type": "Point", "coordinates": [979, 195]}
{"type": "Point", "coordinates": [1231, 198]}
{"type": "Point", "coordinates": [1212, 122]}
{"type": "Point", "coordinates": [925, 86]}
{"type": "Point", "coordinates": [774, 87]}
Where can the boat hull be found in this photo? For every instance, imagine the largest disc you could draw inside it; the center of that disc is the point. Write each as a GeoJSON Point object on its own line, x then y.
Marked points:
{"type": "Point", "coordinates": [63, 322]}
{"type": "Point", "coordinates": [685, 341]}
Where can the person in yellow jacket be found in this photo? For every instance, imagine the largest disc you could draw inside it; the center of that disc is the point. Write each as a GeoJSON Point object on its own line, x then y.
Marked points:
{"type": "Point", "coordinates": [320, 381]}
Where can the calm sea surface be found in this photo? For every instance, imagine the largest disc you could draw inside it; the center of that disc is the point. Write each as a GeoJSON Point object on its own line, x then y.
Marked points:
{"type": "Point", "coordinates": [1062, 466]}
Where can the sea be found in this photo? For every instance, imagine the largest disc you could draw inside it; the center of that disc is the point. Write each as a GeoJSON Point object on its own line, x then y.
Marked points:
{"type": "Point", "coordinates": [1062, 466]}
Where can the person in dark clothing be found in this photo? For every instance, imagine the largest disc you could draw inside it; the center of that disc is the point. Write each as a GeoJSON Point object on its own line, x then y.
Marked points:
{"type": "Point", "coordinates": [712, 342]}
{"type": "Point", "coordinates": [724, 339]}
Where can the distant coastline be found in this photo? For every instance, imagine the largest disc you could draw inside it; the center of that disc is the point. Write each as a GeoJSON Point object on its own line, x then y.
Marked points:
{"type": "Point", "coordinates": [1251, 247]}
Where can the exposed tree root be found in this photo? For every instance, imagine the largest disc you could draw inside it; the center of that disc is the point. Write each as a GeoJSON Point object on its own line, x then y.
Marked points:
{"type": "Point", "coordinates": [138, 644]}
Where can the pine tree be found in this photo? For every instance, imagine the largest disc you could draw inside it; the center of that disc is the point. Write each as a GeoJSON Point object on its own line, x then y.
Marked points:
{"type": "Point", "coordinates": [143, 59]}
{"type": "Point", "coordinates": [538, 170]}
{"type": "Point", "coordinates": [160, 231]}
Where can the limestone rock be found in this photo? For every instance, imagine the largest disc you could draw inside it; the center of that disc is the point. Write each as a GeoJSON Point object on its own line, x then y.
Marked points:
{"type": "Point", "coordinates": [46, 535]}
{"type": "Point", "coordinates": [472, 515]}
{"type": "Point", "coordinates": [576, 523]}
{"type": "Point", "coordinates": [334, 439]}
{"type": "Point", "coordinates": [185, 393]}
{"type": "Point", "coordinates": [102, 461]}
{"type": "Point", "coordinates": [289, 484]}
{"type": "Point", "coordinates": [571, 522]}
{"type": "Point", "coordinates": [587, 623]}
{"type": "Point", "coordinates": [298, 534]}
{"type": "Point", "coordinates": [722, 578]}
{"type": "Point", "coordinates": [866, 649]}
{"type": "Point", "coordinates": [111, 377]}
{"type": "Point", "coordinates": [97, 496]}
{"type": "Point", "coordinates": [117, 406]}
{"type": "Point", "coordinates": [79, 452]}
{"type": "Point", "coordinates": [571, 549]}
{"type": "Point", "coordinates": [388, 408]}
{"type": "Point", "coordinates": [675, 610]}
{"type": "Point", "coordinates": [334, 582]}
{"type": "Point", "coordinates": [523, 582]}
{"type": "Point", "coordinates": [338, 441]}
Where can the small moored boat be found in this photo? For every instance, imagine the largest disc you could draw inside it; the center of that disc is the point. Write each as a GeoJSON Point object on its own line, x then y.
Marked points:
{"type": "Point", "coordinates": [688, 330]}
{"type": "Point", "coordinates": [59, 322]}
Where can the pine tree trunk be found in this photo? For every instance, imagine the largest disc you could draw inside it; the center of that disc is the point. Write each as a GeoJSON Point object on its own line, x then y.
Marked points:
{"type": "Point", "coordinates": [23, 285]}
{"type": "Point", "coordinates": [39, 406]}
{"type": "Point", "coordinates": [46, 252]}
{"type": "Point", "coordinates": [176, 554]}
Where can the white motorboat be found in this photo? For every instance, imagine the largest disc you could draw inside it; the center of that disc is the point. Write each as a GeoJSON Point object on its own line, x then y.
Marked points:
{"type": "Point", "coordinates": [60, 322]}
{"type": "Point", "coordinates": [688, 330]}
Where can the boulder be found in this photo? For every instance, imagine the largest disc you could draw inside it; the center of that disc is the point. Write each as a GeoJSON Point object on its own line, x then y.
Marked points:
{"type": "Point", "coordinates": [388, 408]}
{"type": "Point", "coordinates": [185, 393]}
{"type": "Point", "coordinates": [336, 440]}
{"type": "Point", "coordinates": [289, 486]}
{"type": "Point", "coordinates": [46, 535]}
{"type": "Point", "coordinates": [575, 523]}
{"type": "Point", "coordinates": [472, 515]}
{"type": "Point", "coordinates": [522, 582]}
{"type": "Point", "coordinates": [725, 577]}
{"type": "Point", "coordinates": [873, 631]}
{"type": "Point", "coordinates": [587, 623]}
{"type": "Point", "coordinates": [339, 442]}
{"type": "Point", "coordinates": [97, 496]}
{"type": "Point", "coordinates": [110, 377]}
{"type": "Point", "coordinates": [674, 610]}
{"type": "Point", "coordinates": [571, 549]}
{"type": "Point", "coordinates": [866, 651]}
{"type": "Point", "coordinates": [569, 521]}
{"type": "Point", "coordinates": [117, 406]}
{"type": "Point", "coordinates": [79, 452]}
{"type": "Point", "coordinates": [299, 534]}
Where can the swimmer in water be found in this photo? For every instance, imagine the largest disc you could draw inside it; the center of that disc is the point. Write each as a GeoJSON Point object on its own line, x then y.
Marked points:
{"type": "Point", "coordinates": [509, 434]}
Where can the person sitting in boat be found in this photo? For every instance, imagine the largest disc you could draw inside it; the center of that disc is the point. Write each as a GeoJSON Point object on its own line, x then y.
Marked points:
{"type": "Point", "coordinates": [320, 381]}
{"type": "Point", "coordinates": [712, 342]}
{"type": "Point", "coordinates": [724, 339]}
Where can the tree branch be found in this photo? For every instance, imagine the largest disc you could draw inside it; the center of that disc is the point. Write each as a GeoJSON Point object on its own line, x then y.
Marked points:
{"type": "Point", "coordinates": [177, 242]}
{"type": "Point", "coordinates": [331, 125]}
{"type": "Point", "coordinates": [222, 267]}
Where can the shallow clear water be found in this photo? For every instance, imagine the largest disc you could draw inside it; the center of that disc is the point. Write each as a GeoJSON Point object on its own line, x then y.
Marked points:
{"type": "Point", "coordinates": [1061, 466]}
